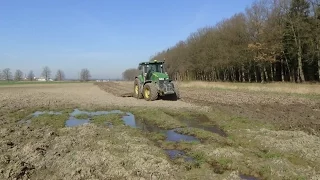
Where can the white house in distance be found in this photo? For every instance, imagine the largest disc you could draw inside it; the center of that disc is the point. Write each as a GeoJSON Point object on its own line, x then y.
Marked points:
{"type": "Point", "coordinates": [43, 79]}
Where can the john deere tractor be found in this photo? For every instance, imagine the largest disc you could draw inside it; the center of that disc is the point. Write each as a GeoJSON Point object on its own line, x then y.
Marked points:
{"type": "Point", "coordinates": [153, 82]}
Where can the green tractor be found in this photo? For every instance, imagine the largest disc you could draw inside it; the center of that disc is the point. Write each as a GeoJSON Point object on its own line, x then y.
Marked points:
{"type": "Point", "coordinates": [153, 82]}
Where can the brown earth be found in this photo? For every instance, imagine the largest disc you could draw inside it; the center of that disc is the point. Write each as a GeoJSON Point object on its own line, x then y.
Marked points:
{"type": "Point", "coordinates": [287, 111]}
{"type": "Point", "coordinates": [74, 94]}
{"type": "Point", "coordinates": [93, 152]}
{"type": "Point", "coordinates": [84, 152]}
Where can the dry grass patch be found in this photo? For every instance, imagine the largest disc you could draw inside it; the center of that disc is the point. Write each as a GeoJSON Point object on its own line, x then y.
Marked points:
{"type": "Point", "coordinates": [299, 143]}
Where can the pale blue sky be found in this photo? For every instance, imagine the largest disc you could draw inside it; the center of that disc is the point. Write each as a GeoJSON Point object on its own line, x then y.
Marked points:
{"type": "Point", "coordinates": [104, 36]}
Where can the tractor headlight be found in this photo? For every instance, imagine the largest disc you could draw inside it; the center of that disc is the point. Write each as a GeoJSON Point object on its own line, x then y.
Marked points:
{"type": "Point", "coordinates": [161, 78]}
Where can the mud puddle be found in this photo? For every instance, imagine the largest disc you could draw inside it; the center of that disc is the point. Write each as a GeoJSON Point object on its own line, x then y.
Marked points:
{"type": "Point", "coordinates": [201, 122]}
{"type": "Point", "coordinates": [78, 117]}
{"type": "Point", "coordinates": [176, 137]}
{"type": "Point", "coordinates": [71, 122]}
{"type": "Point", "coordinates": [171, 136]}
{"type": "Point", "coordinates": [246, 177]}
{"type": "Point", "coordinates": [129, 120]}
{"type": "Point", "coordinates": [174, 154]}
{"type": "Point", "coordinates": [27, 120]}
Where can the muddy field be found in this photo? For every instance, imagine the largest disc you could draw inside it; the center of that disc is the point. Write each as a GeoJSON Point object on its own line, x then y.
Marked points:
{"type": "Point", "coordinates": [88, 131]}
{"type": "Point", "coordinates": [288, 111]}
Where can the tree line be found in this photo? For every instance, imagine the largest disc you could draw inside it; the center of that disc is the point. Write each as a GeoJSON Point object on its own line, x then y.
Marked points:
{"type": "Point", "coordinates": [46, 73]}
{"type": "Point", "coordinates": [272, 40]}
{"type": "Point", "coordinates": [130, 74]}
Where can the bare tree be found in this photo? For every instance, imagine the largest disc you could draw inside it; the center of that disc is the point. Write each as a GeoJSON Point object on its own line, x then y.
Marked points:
{"type": "Point", "coordinates": [60, 75]}
{"type": "Point", "coordinates": [46, 73]}
{"type": "Point", "coordinates": [18, 75]}
{"type": "Point", "coordinates": [7, 75]}
{"type": "Point", "coordinates": [85, 75]}
{"type": "Point", "coordinates": [315, 4]}
{"type": "Point", "coordinates": [31, 76]}
{"type": "Point", "coordinates": [130, 74]}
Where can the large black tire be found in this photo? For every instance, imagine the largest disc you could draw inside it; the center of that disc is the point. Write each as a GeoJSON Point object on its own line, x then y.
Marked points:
{"type": "Point", "coordinates": [153, 92]}
{"type": "Point", "coordinates": [137, 92]}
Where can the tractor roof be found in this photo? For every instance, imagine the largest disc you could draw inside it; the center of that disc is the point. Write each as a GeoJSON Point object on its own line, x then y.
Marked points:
{"type": "Point", "coordinates": [151, 62]}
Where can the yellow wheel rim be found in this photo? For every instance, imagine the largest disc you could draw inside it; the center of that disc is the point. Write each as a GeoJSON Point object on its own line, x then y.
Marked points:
{"type": "Point", "coordinates": [136, 89]}
{"type": "Point", "coordinates": [146, 93]}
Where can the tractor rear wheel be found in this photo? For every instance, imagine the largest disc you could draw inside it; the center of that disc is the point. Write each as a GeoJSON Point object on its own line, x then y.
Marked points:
{"type": "Point", "coordinates": [136, 89]}
{"type": "Point", "coordinates": [150, 92]}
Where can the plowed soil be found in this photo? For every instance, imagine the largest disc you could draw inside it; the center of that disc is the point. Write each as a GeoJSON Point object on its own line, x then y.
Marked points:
{"type": "Point", "coordinates": [80, 94]}
{"type": "Point", "coordinates": [287, 111]}
{"type": "Point", "coordinates": [33, 151]}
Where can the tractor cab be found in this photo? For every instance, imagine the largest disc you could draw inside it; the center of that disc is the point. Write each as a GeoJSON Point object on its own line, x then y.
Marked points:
{"type": "Point", "coordinates": [148, 68]}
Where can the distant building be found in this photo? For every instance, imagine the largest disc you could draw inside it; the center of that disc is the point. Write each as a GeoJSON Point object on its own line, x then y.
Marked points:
{"type": "Point", "coordinates": [103, 80]}
{"type": "Point", "coordinates": [43, 79]}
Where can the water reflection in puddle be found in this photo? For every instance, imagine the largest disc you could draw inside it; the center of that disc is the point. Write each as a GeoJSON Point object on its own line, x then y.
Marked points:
{"type": "Point", "coordinates": [176, 137]}
{"type": "Point", "coordinates": [171, 135]}
{"type": "Point", "coordinates": [173, 154]}
{"type": "Point", "coordinates": [72, 121]}
{"type": "Point", "coordinates": [129, 120]}
{"type": "Point", "coordinates": [76, 122]}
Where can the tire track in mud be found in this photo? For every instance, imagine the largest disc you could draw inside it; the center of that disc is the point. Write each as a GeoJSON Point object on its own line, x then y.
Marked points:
{"type": "Point", "coordinates": [115, 88]}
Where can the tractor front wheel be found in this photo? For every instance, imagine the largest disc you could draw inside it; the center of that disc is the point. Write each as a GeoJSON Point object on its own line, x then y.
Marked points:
{"type": "Point", "coordinates": [150, 92]}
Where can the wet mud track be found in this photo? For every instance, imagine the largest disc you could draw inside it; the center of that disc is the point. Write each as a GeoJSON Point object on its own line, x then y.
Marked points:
{"type": "Point", "coordinates": [79, 117]}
